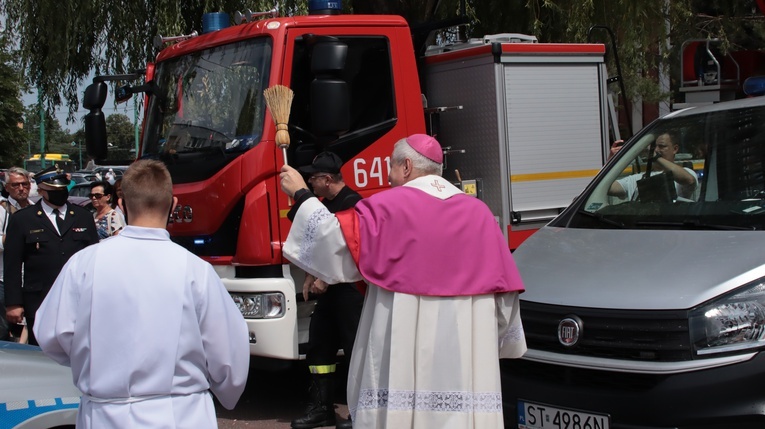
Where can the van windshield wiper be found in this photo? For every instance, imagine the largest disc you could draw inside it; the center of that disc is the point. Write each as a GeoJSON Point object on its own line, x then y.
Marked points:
{"type": "Point", "coordinates": [601, 218]}
{"type": "Point", "coordinates": [694, 224]}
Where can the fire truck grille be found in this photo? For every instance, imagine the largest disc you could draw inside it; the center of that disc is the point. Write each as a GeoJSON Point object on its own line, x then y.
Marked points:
{"type": "Point", "coordinates": [650, 335]}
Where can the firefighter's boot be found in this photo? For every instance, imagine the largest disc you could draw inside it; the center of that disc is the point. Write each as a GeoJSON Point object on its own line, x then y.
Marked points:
{"type": "Point", "coordinates": [321, 409]}
{"type": "Point", "coordinates": [344, 424]}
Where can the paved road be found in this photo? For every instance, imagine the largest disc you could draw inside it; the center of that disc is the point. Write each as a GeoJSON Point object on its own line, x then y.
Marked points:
{"type": "Point", "coordinates": [273, 398]}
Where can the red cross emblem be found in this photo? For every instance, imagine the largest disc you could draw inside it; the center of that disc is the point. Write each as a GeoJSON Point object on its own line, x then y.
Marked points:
{"type": "Point", "coordinates": [437, 185]}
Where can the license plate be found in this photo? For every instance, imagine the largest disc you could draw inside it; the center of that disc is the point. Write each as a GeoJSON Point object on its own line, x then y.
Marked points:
{"type": "Point", "coordinates": [540, 416]}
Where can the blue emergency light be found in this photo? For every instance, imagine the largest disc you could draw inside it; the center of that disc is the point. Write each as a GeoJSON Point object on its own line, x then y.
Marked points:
{"type": "Point", "coordinates": [754, 86]}
{"type": "Point", "coordinates": [325, 7]}
{"type": "Point", "coordinates": [214, 21]}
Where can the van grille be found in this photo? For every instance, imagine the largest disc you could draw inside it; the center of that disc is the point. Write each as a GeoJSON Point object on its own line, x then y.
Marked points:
{"type": "Point", "coordinates": [644, 335]}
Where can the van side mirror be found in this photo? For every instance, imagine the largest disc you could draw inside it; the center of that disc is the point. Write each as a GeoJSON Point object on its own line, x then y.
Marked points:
{"type": "Point", "coordinates": [95, 122]}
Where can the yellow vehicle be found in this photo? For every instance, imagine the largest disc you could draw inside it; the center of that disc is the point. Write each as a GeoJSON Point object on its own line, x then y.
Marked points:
{"type": "Point", "coordinates": [34, 164]}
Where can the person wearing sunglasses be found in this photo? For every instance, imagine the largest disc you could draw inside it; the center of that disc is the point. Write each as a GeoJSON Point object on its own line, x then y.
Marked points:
{"type": "Point", "coordinates": [338, 306]}
{"type": "Point", "coordinates": [109, 221]}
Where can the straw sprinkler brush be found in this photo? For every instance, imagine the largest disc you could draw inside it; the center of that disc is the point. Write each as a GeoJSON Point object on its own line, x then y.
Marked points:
{"type": "Point", "coordinates": [279, 102]}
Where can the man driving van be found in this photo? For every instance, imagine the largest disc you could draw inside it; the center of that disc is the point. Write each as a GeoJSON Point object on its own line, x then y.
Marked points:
{"type": "Point", "coordinates": [686, 180]}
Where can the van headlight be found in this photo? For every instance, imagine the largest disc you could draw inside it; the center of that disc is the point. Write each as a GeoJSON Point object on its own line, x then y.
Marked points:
{"type": "Point", "coordinates": [732, 322]}
{"type": "Point", "coordinates": [260, 305]}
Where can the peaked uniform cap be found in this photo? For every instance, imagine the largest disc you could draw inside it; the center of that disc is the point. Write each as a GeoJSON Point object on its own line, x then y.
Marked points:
{"type": "Point", "coordinates": [52, 177]}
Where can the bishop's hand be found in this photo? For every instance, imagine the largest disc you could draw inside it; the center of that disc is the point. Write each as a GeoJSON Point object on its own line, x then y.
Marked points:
{"type": "Point", "coordinates": [291, 181]}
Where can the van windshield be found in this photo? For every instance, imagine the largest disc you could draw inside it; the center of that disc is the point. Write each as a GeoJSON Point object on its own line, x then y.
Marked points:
{"type": "Point", "coordinates": [702, 171]}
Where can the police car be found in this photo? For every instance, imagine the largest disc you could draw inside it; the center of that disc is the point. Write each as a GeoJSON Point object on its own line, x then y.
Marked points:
{"type": "Point", "coordinates": [35, 391]}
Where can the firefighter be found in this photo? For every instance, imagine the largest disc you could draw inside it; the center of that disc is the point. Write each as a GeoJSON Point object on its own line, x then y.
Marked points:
{"type": "Point", "coordinates": [39, 240]}
{"type": "Point", "coordinates": [338, 307]}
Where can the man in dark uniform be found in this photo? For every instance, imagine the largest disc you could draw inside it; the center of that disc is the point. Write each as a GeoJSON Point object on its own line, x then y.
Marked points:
{"type": "Point", "coordinates": [41, 238]}
{"type": "Point", "coordinates": [338, 307]}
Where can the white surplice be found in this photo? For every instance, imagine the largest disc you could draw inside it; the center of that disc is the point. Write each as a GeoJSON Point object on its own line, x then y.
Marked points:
{"type": "Point", "coordinates": [418, 361]}
{"type": "Point", "coordinates": [148, 330]}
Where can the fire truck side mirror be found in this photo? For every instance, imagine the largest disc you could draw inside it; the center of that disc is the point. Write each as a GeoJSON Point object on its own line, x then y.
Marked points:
{"type": "Point", "coordinates": [95, 122]}
{"type": "Point", "coordinates": [328, 56]}
{"type": "Point", "coordinates": [95, 134]}
{"type": "Point", "coordinates": [95, 96]}
{"type": "Point", "coordinates": [330, 96]}
{"type": "Point", "coordinates": [123, 94]}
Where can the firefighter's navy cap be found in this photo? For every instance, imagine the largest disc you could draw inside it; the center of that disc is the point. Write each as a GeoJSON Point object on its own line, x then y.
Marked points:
{"type": "Point", "coordinates": [325, 162]}
{"type": "Point", "coordinates": [52, 177]}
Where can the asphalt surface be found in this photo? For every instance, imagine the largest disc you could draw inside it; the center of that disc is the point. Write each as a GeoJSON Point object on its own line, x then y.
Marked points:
{"type": "Point", "coordinates": [273, 397]}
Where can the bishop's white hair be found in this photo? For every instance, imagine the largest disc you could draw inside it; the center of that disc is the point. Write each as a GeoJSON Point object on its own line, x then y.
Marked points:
{"type": "Point", "coordinates": [402, 151]}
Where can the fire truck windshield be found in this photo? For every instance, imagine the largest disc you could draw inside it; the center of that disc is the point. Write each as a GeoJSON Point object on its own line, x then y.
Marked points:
{"type": "Point", "coordinates": [209, 108]}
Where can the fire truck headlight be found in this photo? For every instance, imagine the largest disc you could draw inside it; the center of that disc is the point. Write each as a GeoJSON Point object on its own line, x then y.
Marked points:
{"type": "Point", "coordinates": [260, 305]}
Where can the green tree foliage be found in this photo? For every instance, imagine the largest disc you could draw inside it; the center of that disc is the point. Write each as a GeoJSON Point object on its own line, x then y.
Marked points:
{"type": "Point", "coordinates": [639, 26]}
{"type": "Point", "coordinates": [415, 11]}
{"type": "Point", "coordinates": [121, 136]}
{"type": "Point", "coordinates": [57, 139]}
{"type": "Point", "coordinates": [649, 33]}
{"type": "Point", "coordinates": [121, 131]}
{"type": "Point", "coordinates": [12, 147]}
{"type": "Point", "coordinates": [62, 42]}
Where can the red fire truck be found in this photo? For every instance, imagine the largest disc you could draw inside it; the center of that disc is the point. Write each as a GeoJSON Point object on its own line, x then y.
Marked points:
{"type": "Point", "coordinates": [523, 125]}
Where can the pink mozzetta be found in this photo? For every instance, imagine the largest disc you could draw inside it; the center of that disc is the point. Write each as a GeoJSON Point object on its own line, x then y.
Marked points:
{"type": "Point", "coordinates": [405, 240]}
{"type": "Point", "coordinates": [426, 146]}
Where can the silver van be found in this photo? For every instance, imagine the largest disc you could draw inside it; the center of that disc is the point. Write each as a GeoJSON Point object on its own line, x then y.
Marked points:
{"type": "Point", "coordinates": [645, 301]}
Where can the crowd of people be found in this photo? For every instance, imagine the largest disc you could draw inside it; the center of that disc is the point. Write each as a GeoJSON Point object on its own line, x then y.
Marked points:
{"type": "Point", "coordinates": [48, 192]}
{"type": "Point", "coordinates": [422, 331]}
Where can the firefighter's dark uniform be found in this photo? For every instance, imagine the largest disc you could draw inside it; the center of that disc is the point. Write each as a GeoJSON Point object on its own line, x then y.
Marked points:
{"type": "Point", "coordinates": [338, 310]}
{"type": "Point", "coordinates": [32, 242]}
{"type": "Point", "coordinates": [333, 326]}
